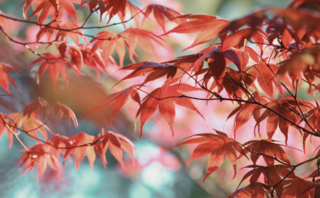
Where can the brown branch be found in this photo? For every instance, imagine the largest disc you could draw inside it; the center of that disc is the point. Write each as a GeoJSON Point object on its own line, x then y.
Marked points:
{"type": "Point", "coordinates": [28, 48]}
{"type": "Point", "coordinates": [301, 112]}
{"type": "Point", "coordinates": [72, 29]}
{"type": "Point", "coordinates": [15, 135]}
{"type": "Point", "coordinates": [245, 101]}
{"type": "Point", "coordinates": [45, 142]}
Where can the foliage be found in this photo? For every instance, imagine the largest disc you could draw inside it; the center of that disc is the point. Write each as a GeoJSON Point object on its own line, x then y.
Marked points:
{"type": "Point", "coordinates": [247, 61]}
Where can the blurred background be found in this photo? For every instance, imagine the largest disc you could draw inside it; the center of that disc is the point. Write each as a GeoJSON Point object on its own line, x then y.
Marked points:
{"type": "Point", "coordinates": [158, 172]}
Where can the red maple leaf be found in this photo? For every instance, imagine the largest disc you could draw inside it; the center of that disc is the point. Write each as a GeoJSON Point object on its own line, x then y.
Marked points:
{"type": "Point", "coordinates": [218, 146]}
{"type": "Point", "coordinates": [67, 112]}
{"type": "Point", "coordinates": [81, 145]}
{"type": "Point", "coordinates": [55, 64]}
{"type": "Point", "coordinates": [116, 143]}
{"type": "Point", "coordinates": [55, 8]}
{"type": "Point", "coordinates": [5, 70]}
{"type": "Point", "coordinates": [41, 155]}
{"type": "Point", "coordinates": [202, 24]}
{"type": "Point", "coordinates": [145, 39]}
{"type": "Point", "coordinates": [165, 99]}
{"type": "Point", "coordinates": [108, 41]}
{"type": "Point", "coordinates": [160, 12]}
{"type": "Point", "coordinates": [118, 99]}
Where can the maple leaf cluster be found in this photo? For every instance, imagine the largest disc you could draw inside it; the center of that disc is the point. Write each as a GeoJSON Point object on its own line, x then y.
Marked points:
{"type": "Point", "coordinates": [259, 62]}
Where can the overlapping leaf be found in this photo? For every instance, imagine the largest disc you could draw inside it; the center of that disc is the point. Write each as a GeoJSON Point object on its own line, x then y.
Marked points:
{"type": "Point", "coordinates": [288, 118]}
{"type": "Point", "coordinates": [161, 12]}
{"type": "Point", "coordinates": [109, 41]}
{"type": "Point", "coordinates": [218, 146]}
{"type": "Point", "coordinates": [207, 26]}
{"type": "Point", "coordinates": [67, 112]}
{"type": "Point", "coordinates": [266, 147]}
{"type": "Point", "coordinates": [165, 99]}
{"type": "Point", "coordinates": [116, 7]}
{"type": "Point", "coordinates": [238, 38]}
{"type": "Point", "coordinates": [298, 188]}
{"type": "Point", "coordinates": [81, 145]}
{"type": "Point", "coordinates": [29, 125]}
{"type": "Point", "coordinates": [244, 115]}
{"type": "Point", "coordinates": [41, 156]}
{"type": "Point", "coordinates": [34, 107]}
{"type": "Point", "coordinates": [96, 60]}
{"type": "Point", "coordinates": [157, 70]}
{"type": "Point", "coordinates": [55, 64]}
{"type": "Point", "coordinates": [116, 143]}
{"type": "Point", "coordinates": [144, 38]}
{"type": "Point", "coordinates": [272, 175]}
{"type": "Point", "coordinates": [55, 8]}
{"type": "Point", "coordinates": [257, 190]}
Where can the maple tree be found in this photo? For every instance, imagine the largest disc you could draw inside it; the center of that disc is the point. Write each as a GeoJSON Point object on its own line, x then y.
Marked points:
{"type": "Point", "coordinates": [260, 63]}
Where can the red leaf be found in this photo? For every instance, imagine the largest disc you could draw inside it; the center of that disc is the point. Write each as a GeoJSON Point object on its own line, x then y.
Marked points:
{"type": "Point", "coordinates": [167, 111]}
{"type": "Point", "coordinates": [30, 125]}
{"type": "Point", "coordinates": [160, 12]}
{"type": "Point", "coordinates": [118, 98]}
{"type": "Point", "coordinates": [5, 78]}
{"type": "Point", "coordinates": [235, 38]}
{"type": "Point", "coordinates": [257, 190]}
{"type": "Point", "coordinates": [265, 78]}
{"type": "Point", "coordinates": [67, 112]}
{"type": "Point", "coordinates": [202, 24]}
{"type": "Point", "coordinates": [6, 128]}
{"type": "Point", "coordinates": [218, 146]}
{"type": "Point", "coordinates": [55, 64]}
{"type": "Point", "coordinates": [243, 116]}
{"type": "Point", "coordinates": [145, 39]}
{"type": "Point", "coordinates": [217, 65]}
{"type": "Point", "coordinates": [34, 107]}
{"type": "Point", "coordinates": [117, 143]}
{"type": "Point", "coordinates": [87, 149]}
{"type": "Point", "coordinates": [267, 147]}
{"type": "Point", "coordinates": [272, 124]}
{"type": "Point", "coordinates": [298, 188]}
{"type": "Point", "coordinates": [272, 175]}
{"type": "Point", "coordinates": [168, 95]}
{"type": "Point", "coordinates": [109, 41]}
{"type": "Point", "coordinates": [40, 155]}
{"type": "Point", "coordinates": [53, 7]}
{"type": "Point", "coordinates": [147, 108]}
